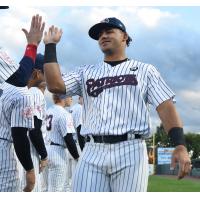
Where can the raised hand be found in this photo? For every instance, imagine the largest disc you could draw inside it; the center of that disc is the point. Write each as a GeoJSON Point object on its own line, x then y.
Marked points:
{"type": "Point", "coordinates": [35, 33]}
{"type": "Point", "coordinates": [53, 35]}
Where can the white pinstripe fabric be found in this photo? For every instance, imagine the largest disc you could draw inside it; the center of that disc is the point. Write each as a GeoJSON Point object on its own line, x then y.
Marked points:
{"type": "Point", "coordinates": [76, 111]}
{"type": "Point", "coordinates": [105, 114]}
{"type": "Point", "coordinates": [57, 168]}
{"type": "Point", "coordinates": [58, 125]}
{"type": "Point", "coordinates": [16, 108]}
{"type": "Point", "coordinates": [7, 66]}
{"type": "Point", "coordinates": [61, 124]}
{"type": "Point", "coordinates": [116, 101]}
{"type": "Point", "coordinates": [38, 111]}
{"type": "Point", "coordinates": [39, 103]}
{"type": "Point", "coordinates": [9, 175]}
{"type": "Point", "coordinates": [121, 167]}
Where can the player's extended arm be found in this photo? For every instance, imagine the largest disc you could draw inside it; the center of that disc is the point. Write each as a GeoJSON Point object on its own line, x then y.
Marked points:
{"type": "Point", "coordinates": [22, 149]}
{"type": "Point", "coordinates": [55, 83]}
{"type": "Point", "coordinates": [173, 126]}
{"type": "Point", "coordinates": [38, 142]}
{"type": "Point", "coordinates": [71, 145]}
{"type": "Point", "coordinates": [21, 76]}
{"type": "Point", "coordinates": [81, 139]}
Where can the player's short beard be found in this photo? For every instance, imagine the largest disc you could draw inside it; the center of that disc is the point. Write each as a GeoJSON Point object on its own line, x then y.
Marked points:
{"type": "Point", "coordinates": [108, 52]}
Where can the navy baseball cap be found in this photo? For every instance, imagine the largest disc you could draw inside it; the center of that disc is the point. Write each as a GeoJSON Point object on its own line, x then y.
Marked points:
{"type": "Point", "coordinates": [39, 62]}
{"type": "Point", "coordinates": [111, 22]}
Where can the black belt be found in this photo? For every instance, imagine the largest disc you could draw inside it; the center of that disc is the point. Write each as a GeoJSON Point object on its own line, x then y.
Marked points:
{"type": "Point", "coordinates": [111, 139]}
{"type": "Point", "coordinates": [56, 144]}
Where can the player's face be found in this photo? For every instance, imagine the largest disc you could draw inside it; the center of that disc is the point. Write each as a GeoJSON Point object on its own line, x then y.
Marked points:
{"type": "Point", "coordinates": [68, 101]}
{"type": "Point", "coordinates": [112, 39]}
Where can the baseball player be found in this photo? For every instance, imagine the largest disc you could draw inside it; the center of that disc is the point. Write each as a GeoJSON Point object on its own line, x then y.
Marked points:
{"type": "Point", "coordinates": [76, 111]}
{"type": "Point", "coordinates": [60, 128]}
{"type": "Point", "coordinates": [16, 115]}
{"type": "Point", "coordinates": [38, 149]}
{"type": "Point", "coordinates": [43, 174]}
{"type": "Point", "coordinates": [117, 93]}
{"type": "Point", "coordinates": [19, 75]}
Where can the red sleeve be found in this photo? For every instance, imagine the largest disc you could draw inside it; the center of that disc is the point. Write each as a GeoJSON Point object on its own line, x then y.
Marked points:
{"type": "Point", "coordinates": [31, 51]}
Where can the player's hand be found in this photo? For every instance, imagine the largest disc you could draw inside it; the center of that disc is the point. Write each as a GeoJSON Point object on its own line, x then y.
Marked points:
{"type": "Point", "coordinates": [180, 156]}
{"type": "Point", "coordinates": [34, 36]}
{"type": "Point", "coordinates": [30, 181]}
{"type": "Point", "coordinates": [43, 164]}
{"type": "Point", "coordinates": [53, 35]}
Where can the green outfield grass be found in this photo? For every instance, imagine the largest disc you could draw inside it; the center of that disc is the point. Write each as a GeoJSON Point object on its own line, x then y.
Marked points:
{"type": "Point", "coordinates": [170, 184]}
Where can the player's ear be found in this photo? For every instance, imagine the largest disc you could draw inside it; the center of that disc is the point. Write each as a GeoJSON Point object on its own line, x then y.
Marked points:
{"type": "Point", "coordinates": [125, 38]}
{"type": "Point", "coordinates": [34, 74]}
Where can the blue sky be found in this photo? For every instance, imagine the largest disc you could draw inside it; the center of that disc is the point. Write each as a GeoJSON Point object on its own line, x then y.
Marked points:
{"type": "Point", "coordinates": [167, 37]}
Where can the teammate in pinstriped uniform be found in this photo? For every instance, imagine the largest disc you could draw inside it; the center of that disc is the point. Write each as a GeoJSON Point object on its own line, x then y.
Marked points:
{"type": "Point", "coordinates": [42, 87]}
{"type": "Point", "coordinates": [76, 111]}
{"type": "Point", "coordinates": [13, 73]}
{"type": "Point", "coordinates": [117, 93]}
{"type": "Point", "coordinates": [60, 130]}
{"type": "Point", "coordinates": [16, 113]}
{"type": "Point", "coordinates": [38, 150]}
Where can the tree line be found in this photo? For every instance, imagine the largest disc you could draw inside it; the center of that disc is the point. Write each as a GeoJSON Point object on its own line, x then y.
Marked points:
{"type": "Point", "coordinates": [162, 140]}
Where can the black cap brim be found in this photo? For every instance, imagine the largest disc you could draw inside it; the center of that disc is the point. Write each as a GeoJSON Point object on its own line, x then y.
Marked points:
{"type": "Point", "coordinates": [97, 28]}
{"type": "Point", "coordinates": [4, 7]}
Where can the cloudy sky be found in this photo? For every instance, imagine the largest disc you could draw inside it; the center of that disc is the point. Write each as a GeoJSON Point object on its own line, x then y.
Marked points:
{"type": "Point", "coordinates": [167, 37]}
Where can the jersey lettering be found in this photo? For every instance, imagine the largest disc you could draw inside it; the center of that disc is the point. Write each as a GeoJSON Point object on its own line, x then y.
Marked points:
{"type": "Point", "coordinates": [95, 87]}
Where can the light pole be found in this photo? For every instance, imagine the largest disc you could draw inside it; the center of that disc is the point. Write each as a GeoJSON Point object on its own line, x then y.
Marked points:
{"type": "Point", "coordinates": [154, 154]}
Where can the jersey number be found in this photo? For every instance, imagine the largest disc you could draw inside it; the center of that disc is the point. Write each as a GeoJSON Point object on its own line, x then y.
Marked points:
{"type": "Point", "coordinates": [49, 122]}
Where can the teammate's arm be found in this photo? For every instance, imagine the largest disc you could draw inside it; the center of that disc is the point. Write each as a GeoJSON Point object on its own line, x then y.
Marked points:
{"type": "Point", "coordinates": [173, 126]}
{"type": "Point", "coordinates": [38, 142]}
{"type": "Point", "coordinates": [55, 83]}
{"type": "Point", "coordinates": [81, 139]}
{"type": "Point", "coordinates": [71, 145]}
{"type": "Point", "coordinates": [22, 149]}
{"type": "Point", "coordinates": [34, 36]}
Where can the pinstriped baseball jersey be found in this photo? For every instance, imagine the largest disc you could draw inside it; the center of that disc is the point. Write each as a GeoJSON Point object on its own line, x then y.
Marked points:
{"type": "Point", "coordinates": [16, 108]}
{"type": "Point", "coordinates": [76, 111]}
{"type": "Point", "coordinates": [59, 122]}
{"type": "Point", "coordinates": [117, 99]}
{"type": "Point", "coordinates": [7, 66]}
{"type": "Point", "coordinates": [39, 103]}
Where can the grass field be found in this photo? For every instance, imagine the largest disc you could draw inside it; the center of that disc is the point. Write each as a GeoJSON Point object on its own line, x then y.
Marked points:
{"type": "Point", "coordinates": [170, 184]}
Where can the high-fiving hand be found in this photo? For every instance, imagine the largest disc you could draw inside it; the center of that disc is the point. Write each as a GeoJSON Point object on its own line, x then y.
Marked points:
{"type": "Point", "coordinates": [34, 36]}
{"type": "Point", "coordinates": [53, 35]}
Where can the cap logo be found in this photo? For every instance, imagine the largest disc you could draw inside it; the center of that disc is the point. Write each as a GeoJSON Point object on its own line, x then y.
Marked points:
{"type": "Point", "coordinates": [105, 20]}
